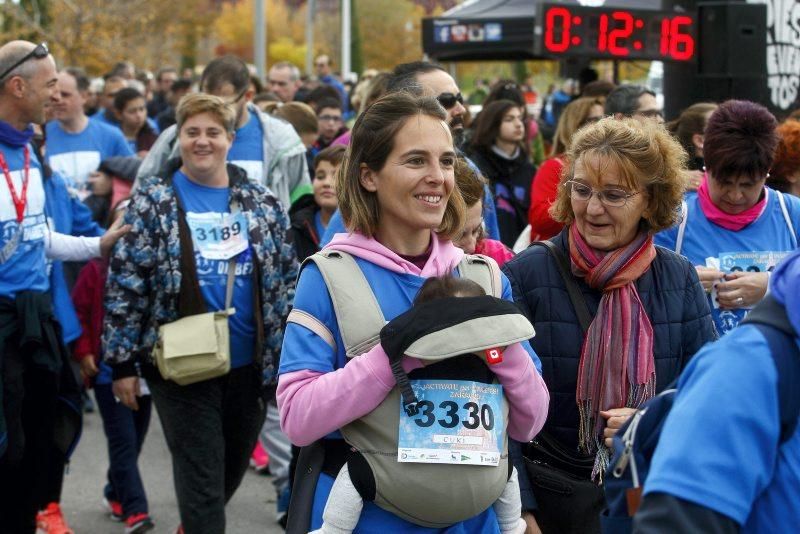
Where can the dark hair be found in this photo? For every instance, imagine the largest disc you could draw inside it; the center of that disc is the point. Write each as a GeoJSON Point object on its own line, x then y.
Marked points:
{"type": "Point", "coordinates": [691, 121]}
{"type": "Point", "coordinates": [505, 90]}
{"type": "Point", "coordinates": [181, 84]}
{"type": "Point", "coordinates": [125, 95]}
{"type": "Point", "coordinates": [598, 88]}
{"type": "Point", "coordinates": [378, 87]}
{"type": "Point", "coordinates": [265, 96]}
{"type": "Point", "coordinates": [256, 83]}
{"type": "Point", "coordinates": [334, 103]}
{"type": "Point", "coordinates": [438, 287]}
{"type": "Point", "coordinates": [487, 125]}
{"type": "Point", "coordinates": [163, 70]}
{"type": "Point", "coordinates": [81, 79]}
{"type": "Point", "coordinates": [321, 93]}
{"type": "Point", "coordinates": [333, 154]}
{"type": "Point", "coordinates": [787, 156]}
{"type": "Point", "coordinates": [740, 139]}
{"type": "Point", "coordinates": [404, 76]}
{"type": "Point", "coordinates": [226, 69]}
{"type": "Point", "coordinates": [625, 99]}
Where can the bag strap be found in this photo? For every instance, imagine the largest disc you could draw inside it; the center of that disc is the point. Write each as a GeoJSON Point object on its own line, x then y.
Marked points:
{"type": "Point", "coordinates": [770, 317]}
{"type": "Point", "coordinates": [574, 292]}
{"type": "Point", "coordinates": [787, 218]}
{"type": "Point", "coordinates": [484, 271]}
{"type": "Point", "coordinates": [682, 227]}
{"type": "Point", "coordinates": [358, 314]}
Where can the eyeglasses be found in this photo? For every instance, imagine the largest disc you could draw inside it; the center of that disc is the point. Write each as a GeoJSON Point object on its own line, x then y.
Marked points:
{"type": "Point", "coordinates": [449, 100]}
{"type": "Point", "coordinates": [40, 52]}
{"type": "Point", "coordinates": [650, 113]}
{"type": "Point", "coordinates": [329, 118]}
{"type": "Point", "coordinates": [612, 197]}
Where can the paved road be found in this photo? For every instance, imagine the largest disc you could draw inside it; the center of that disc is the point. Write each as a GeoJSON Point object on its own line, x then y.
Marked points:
{"type": "Point", "coordinates": [252, 509]}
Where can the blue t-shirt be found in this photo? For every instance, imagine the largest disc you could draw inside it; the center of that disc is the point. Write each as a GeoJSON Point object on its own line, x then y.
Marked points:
{"type": "Point", "coordinates": [304, 350]}
{"type": "Point", "coordinates": [213, 273]}
{"type": "Point", "coordinates": [719, 446]}
{"type": "Point", "coordinates": [768, 236]}
{"type": "Point", "coordinates": [76, 155]}
{"type": "Point", "coordinates": [26, 267]}
{"type": "Point", "coordinates": [247, 150]}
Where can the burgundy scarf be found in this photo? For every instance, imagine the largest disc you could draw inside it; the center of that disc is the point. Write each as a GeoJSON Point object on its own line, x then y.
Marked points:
{"type": "Point", "coordinates": [617, 368]}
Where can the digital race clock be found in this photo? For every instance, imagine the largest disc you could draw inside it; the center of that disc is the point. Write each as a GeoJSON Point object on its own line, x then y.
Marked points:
{"type": "Point", "coordinates": [615, 33]}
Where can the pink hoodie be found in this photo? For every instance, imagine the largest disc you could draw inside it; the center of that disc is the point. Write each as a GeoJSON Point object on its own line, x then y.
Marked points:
{"type": "Point", "coordinates": [314, 404]}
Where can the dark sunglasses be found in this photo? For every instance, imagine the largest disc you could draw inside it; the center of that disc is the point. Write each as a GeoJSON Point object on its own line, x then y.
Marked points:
{"type": "Point", "coordinates": [448, 100]}
{"type": "Point", "coordinates": [40, 52]}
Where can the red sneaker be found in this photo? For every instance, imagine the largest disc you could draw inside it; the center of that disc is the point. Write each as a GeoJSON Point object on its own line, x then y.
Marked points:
{"type": "Point", "coordinates": [51, 521]}
{"type": "Point", "coordinates": [138, 523]}
{"type": "Point", "coordinates": [259, 460]}
{"type": "Point", "coordinates": [114, 509]}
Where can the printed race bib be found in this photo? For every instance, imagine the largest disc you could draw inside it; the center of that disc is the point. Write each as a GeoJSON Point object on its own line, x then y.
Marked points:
{"type": "Point", "coordinates": [459, 422]}
{"type": "Point", "coordinates": [218, 236]}
{"type": "Point", "coordinates": [754, 262]}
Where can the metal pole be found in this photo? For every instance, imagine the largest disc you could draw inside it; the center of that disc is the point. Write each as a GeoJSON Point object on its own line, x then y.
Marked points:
{"type": "Point", "coordinates": [345, 39]}
{"type": "Point", "coordinates": [311, 7]}
{"type": "Point", "coordinates": [260, 39]}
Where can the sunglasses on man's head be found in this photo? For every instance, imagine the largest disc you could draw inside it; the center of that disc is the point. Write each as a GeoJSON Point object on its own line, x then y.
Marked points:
{"type": "Point", "coordinates": [40, 52]}
{"type": "Point", "coordinates": [448, 100]}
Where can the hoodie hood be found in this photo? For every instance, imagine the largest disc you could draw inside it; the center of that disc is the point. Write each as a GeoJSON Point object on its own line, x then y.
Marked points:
{"type": "Point", "coordinates": [443, 259]}
{"type": "Point", "coordinates": [783, 286]}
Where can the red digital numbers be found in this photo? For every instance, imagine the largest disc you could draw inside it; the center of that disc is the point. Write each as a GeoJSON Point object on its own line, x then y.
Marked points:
{"type": "Point", "coordinates": [561, 42]}
{"type": "Point", "coordinates": [676, 42]}
{"type": "Point", "coordinates": [612, 41]}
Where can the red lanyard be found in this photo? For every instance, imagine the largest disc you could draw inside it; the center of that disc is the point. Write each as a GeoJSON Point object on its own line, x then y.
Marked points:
{"type": "Point", "coordinates": [19, 201]}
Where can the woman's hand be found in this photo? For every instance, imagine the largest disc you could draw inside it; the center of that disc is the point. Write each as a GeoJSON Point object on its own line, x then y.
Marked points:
{"type": "Point", "coordinates": [112, 235]}
{"type": "Point", "coordinates": [126, 390]}
{"type": "Point", "coordinates": [615, 418]}
{"type": "Point", "coordinates": [708, 276]}
{"type": "Point", "coordinates": [741, 289]}
{"type": "Point", "coordinates": [530, 521]}
{"type": "Point", "coordinates": [88, 367]}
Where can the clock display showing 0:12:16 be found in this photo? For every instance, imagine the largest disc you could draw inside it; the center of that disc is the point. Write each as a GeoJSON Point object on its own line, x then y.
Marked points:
{"type": "Point", "coordinates": [619, 33]}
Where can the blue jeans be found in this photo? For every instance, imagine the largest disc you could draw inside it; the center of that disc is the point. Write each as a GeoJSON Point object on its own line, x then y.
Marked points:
{"type": "Point", "coordinates": [125, 431]}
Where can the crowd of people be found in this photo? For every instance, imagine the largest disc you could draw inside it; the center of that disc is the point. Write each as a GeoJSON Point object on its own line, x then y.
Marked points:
{"type": "Point", "coordinates": [272, 265]}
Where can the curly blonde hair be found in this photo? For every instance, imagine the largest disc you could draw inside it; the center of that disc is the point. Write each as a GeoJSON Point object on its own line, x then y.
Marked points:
{"type": "Point", "coordinates": [648, 158]}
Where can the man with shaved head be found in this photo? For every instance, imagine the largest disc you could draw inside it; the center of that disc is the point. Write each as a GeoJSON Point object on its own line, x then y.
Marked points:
{"type": "Point", "coordinates": [32, 357]}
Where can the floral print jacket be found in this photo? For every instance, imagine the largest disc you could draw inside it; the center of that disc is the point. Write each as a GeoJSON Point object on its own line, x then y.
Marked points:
{"type": "Point", "coordinates": [144, 274]}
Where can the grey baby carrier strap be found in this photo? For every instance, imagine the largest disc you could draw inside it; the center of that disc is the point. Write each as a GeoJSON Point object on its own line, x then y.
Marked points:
{"type": "Point", "coordinates": [431, 495]}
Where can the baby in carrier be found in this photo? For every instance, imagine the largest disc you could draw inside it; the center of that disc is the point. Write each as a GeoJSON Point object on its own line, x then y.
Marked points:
{"type": "Point", "coordinates": [344, 505]}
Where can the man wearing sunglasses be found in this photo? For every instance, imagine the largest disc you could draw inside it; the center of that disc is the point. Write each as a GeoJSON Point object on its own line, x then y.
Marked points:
{"type": "Point", "coordinates": [32, 377]}
{"type": "Point", "coordinates": [635, 101]}
{"type": "Point", "coordinates": [268, 149]}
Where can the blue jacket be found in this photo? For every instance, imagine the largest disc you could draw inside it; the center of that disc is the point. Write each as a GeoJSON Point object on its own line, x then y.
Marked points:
{"type": "Point", "coordinates": [671, 294]}
{"type": "Point", "coordinates": [66, 214]}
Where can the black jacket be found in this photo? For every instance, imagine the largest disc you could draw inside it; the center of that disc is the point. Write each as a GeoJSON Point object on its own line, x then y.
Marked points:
{"type": "Point", "coordinates": [671, 294]}
{"type": "Point", "coordinates": [510, 181]}
{"type": "Point", "coordinates": [303, 232]}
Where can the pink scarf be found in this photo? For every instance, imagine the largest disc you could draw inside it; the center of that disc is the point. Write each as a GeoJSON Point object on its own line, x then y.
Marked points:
{"type": "Point", "coordinates": [728, 221]}
{"type": "Point", "coordinates": [617, 368]}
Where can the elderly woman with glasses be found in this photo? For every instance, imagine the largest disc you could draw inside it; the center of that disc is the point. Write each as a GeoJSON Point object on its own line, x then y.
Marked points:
{"type": "Point", "coordinates": [616, 317]}
{"type": "Point", "coordinates": [735, 229]}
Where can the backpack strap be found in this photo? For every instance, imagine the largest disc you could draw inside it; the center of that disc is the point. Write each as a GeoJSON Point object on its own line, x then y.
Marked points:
{"type": "Point", "coordinates": [574, 292]}
{"type": "Point", "coordinates": [358, 314]}
{"type": "Point", "coordinates": [682, 227]}
{"type": "Point", "coordinates": [770, 317]}
{"type": "Point", "coordinates": [787, 218]}
{"type": "Point", "coordinates": [484, 271]}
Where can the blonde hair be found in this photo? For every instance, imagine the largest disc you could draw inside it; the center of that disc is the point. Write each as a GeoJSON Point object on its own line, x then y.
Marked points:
{"type": "Point", "coordinates": [300, 115]}
{"type": "Point", "coordinates": [647, 156]}
{"type": "Point", "coordinates": [371, 143]}
{"type": "Point", "coordinates": [572, 118]}
{"type": "Point", "coordinates": [197, 103]}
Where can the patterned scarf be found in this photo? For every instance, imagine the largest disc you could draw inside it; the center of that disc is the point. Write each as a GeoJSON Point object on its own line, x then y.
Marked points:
{"type": "Point", "coordinates": [617, 367]}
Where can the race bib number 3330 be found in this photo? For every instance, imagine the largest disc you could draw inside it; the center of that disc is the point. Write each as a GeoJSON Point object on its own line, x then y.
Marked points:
{"type": "Point", "coordinates": [459, 422]}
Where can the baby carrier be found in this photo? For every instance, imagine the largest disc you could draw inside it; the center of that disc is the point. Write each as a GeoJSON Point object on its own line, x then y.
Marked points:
{"type": "Point", "coordinates": [435, 451]}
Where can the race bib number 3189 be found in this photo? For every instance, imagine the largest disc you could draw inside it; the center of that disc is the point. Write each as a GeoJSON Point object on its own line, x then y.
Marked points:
{"type": "Point", "coordinates": [218, 236]}
{"type": "Point", "coordinates": [459, 422]}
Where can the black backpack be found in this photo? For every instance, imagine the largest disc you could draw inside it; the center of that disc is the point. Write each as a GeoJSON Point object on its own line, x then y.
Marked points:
{"type": "Point", "coordinates": [636, 441]}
